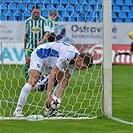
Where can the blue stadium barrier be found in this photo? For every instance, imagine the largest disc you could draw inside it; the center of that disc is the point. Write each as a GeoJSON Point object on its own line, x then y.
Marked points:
{"type": "Point", "coordinates": [119, 2]}
{"type": "Point", "coordinates": [130, 15]}
{"type": "Point", "coordinates": [16, 1]}
{"type": "Point", "coordinates": [8, 1]}
{"type": "Point", "coordinates": [113, 2]}
{"type": "Point", "coordinates": [118, 20]}
{"type": "Point", "coordinates": [49, 6]}
{"type": "Point", "coordinates": [64, 3]}
{"type": "Point", "coordinates": [126, 9]}
{"type": "Point", "coordinates": [2, 17]}
{"type": "Point", "coordinates": [47, 2]}
{"type": "Point", "coordinates": [129, 2]}
{"type": "Point", "coordinates": [128, 20]}
{"type": "Point", "coordinates": [27, 14]}
{"type": "Point", "coordinates": [73, 2]}
{"type": "Point", "coordinates": [61, 11]}
{"type": "Point", "coordinates": [82, 2]}
{"type": "Point", "coordinates": [45, 13]}
{"type": "Point", "coordinates": [10, 16]}
{"type": "Point", "coordinates": [12, 7]}
{"type": "Point", "coordinates": [122, 15]}
{"type": "Point", "coordinates": [97, 7]}
{"type": "Point", "coordinates": [4, 8]}
{"type": "Point", "coordinates": [26, 1]}
{"type": "Point", "coordinates": [116, 8]}
{"type": "Point", "coordinates": [41, 5]}
{"type": "Point", "coordinates": [114, 15]}
{"type": "Point", "coordinates": [22, 7]}
{"type": "Point", "coordinates": [68, 8]}
{"type": "Point", "coordinates": [80, 19]}
{"type": "Point", "coordinates": [56, 2]}
{"type": "Point", "coordinates": [18, 16]}
{"type": "Point", "coordinates": [78, 8]}
{"type": "Point", "coordinates": [30, 5]}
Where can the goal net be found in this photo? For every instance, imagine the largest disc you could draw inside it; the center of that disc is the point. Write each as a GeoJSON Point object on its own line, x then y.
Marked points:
{"type": "Point", "coordinates": [80, 22]}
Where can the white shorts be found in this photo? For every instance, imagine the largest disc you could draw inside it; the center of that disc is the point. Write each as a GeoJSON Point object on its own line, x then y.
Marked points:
{"type": "Point", "coordinates": [36, 63]}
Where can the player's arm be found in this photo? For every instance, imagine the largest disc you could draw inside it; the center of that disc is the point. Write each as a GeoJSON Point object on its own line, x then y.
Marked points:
{"type": "Point", "coordinates": [47, 33]}
{"type": "Point", "coordinates": [44, 38]}
{"type": "Point", "coordinates": [63, 84]}
{"type": "Point", "coordinates": [52, 76]}
{"type": "Point", "coordinates": [26, 34]}
{"type": "Point", "coordinates": [25, 40]}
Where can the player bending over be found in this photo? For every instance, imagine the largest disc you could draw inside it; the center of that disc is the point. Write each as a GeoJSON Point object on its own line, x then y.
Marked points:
{"type": "Point", "coordinates": [62, 59]}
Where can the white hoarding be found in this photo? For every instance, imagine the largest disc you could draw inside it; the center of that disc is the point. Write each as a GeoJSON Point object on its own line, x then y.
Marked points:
{"type": "Point", "coordinates": [77, 33]}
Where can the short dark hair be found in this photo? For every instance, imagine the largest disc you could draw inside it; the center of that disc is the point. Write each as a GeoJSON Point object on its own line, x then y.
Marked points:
{"type": "Point", "coordinates": [35, 7]}
{"type": "Point", "coordinates": [52, 37]}
{"type": "Point", "coordinates": [87, 58]}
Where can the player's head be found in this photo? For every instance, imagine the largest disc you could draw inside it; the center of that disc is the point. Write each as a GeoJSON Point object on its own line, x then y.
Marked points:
{"type": "Point", "coordinates": [53, 15]}
{"type": "Point", "coordinates": [36, 12]}
{"type": "Point", "coordinates": [83, 61]}
{"type": "Point", "coordinates": [52, 37]}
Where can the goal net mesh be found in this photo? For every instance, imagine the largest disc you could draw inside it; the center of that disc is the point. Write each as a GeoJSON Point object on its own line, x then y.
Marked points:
{"type": "Point", "coordinates": [84, 94]}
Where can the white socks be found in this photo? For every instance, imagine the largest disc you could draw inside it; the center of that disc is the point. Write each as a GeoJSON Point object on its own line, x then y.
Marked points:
{"type": "Point", "coordinates": [55, 91]}
{"type": "Point", "coordinates": [23, 96]}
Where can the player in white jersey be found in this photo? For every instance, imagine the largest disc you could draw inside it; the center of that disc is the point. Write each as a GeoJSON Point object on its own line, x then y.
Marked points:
{"type": "Point", "coordinates": [62, 60]}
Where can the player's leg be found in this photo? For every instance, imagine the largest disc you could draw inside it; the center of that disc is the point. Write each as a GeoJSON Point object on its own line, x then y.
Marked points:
{"type": "Point", "coordinates": [27, 62]}
{"type": "Point", "coordinates": [120, 53]}
{"type": "Point", "coordinates": [126, 53]}
{"type": "Point", "coordinates": [34, 73]}
{"type": "Point", "coordinates": [131, 50]}
{"type": "Point", "coordinates": [33, 78]}
{"type": "Point", "coordinates": [42, 83]}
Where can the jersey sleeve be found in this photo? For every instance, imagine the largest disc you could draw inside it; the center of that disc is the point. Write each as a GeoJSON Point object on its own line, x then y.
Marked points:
{"type": "Point", "coordinates": [62, 64]}
{"type": "Point", "coordinates": [52, 30]}
{"type": "Point", "coordinates": [46, 27]}
{"type": "Point", "coordinates": [26, 27]}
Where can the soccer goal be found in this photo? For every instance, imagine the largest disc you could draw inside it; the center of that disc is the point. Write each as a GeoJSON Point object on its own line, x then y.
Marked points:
{"type": "Point", "coordinates": [87, 24]}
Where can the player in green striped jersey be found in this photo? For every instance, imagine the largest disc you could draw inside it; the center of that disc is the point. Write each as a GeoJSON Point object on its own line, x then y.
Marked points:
{"type": "Point", "coordinates": [52, 17]}
{"type": "Point", "coordinates": [36, 33]}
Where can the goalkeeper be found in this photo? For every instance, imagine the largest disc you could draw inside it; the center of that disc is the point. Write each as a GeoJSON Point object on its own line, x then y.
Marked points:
{"type": "Point", "coordinates": [62, 59]}
{"type": "Point", "coordinates": [131, 50]}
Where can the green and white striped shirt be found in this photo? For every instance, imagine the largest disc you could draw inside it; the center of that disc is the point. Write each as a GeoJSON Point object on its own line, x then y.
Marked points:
{"type": "Point", "coordinates": [35, 29]}
{"type": "Point", "coordinates": [51, 25]}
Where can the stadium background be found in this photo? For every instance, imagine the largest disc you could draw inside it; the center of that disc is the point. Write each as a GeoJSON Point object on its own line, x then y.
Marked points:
{"type": "Point", "coordinates": [15, 12]}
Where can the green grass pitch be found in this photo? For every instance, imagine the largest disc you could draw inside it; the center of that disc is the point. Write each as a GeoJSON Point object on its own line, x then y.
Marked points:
{"type": "Point", "coordinates": [122, 105]}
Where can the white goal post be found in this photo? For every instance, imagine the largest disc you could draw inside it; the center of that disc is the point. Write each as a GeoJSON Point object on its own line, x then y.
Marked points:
{"type": "Point", "coordinates": [107, 56]}
{"type": "Point", "coordinates": [89, 94]}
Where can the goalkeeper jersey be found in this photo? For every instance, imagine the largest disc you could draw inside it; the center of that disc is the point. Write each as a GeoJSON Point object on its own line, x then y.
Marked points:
{"type": "Point", "coordinates": [35, 29]}
{"type": "Point", "coordinates": [56, 53]}
{"type": "Point", "coordinates": [131, 35]}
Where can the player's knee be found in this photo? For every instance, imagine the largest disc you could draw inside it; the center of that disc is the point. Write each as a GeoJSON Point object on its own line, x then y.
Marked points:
{"type": "Point", "coordinates": [32, 81]}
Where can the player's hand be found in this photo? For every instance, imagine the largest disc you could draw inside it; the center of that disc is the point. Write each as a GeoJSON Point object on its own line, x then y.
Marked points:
{"type": "Point", "coordinates": [41, 42]}
{"type": "Point", "coordinates": [48, 102]}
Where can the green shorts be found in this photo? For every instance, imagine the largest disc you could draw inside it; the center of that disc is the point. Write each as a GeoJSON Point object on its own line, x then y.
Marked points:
{"type": "Point", "coordinates": [28, 52]}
